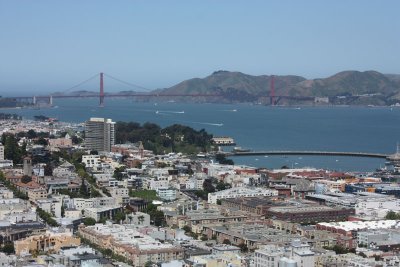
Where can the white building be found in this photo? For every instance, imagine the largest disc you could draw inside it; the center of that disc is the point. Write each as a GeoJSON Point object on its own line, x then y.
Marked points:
{"type": "Point", "coordinates": [6, 163]}
{"type": "Point", "coordinates": [51, 206]}
{"type": "Point", "coordinates": [66, 171]}
{"type": "Point", "coordinates": [156, 183]}
{"type": "Point", "coordinates": [168, 194]}
{"type": "Point", "coordinates": [301, 253]}
{"type": "Point", "coordinates": [268, 256]}
{"type": "Point", "coordinates": [377, 207]}
{"type": "Point", "coordinates": [194, 183]}
{"type": "Point", "coordinates": [91, 161]}
{"type": "Point", "coordinates": [83, 203]}
{"type": "Point", "coordinates": [102, 212]}
{"type": "Point", "coordinates": [120, 194]}
{"type": "Point", "coordinates": [297, 254]}
{"type": "Point", "coordinates": [6, 193]}
{"type": "Point", "coordinates": [238, 192]}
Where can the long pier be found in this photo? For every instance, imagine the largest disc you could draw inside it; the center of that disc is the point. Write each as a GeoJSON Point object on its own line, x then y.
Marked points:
{"type": "Point", "coordinates": [307, 153]}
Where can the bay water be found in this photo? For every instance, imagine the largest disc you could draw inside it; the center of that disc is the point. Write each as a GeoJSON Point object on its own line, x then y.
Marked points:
{"type": "Point", "coordinates": [256, 127]}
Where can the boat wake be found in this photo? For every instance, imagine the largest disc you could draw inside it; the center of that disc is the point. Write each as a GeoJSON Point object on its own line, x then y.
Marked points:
{"type": "Point", "coordinates": [212, 124]}
{"type": "Point", "coordinates": [169, 111]}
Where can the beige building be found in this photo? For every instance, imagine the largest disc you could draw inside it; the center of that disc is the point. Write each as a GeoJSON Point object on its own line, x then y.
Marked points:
{"type": "Point", "coordinates": [136, 247]}
{"type": "Point", "coordinates": [50, 241]}
{"type": "Point", "coordinates": [217, 260]}
{"type": "Point", "coordinates": [37, 193]}
{"type": "Point", "coordinates": [60, 142]}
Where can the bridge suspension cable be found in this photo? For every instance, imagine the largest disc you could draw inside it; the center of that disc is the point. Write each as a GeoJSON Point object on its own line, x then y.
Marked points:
{"type": "Point", "coordinates": [128, 83]}
{"type": "Point", "coordinates": [81, 83]}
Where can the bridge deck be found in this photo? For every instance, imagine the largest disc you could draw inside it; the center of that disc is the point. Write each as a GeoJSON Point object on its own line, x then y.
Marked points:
{"type": "Point", "coordinates": [308, 153]}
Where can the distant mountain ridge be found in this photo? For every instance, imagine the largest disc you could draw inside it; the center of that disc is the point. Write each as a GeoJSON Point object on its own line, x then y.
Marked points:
{"type": "Point", "coordinates": [346, 87]}
{"type": "Point", "coordinates": [343, 88]}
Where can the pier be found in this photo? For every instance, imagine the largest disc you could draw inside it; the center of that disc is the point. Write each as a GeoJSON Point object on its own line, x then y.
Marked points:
{"type": "Point", "coordinates": [307, 153]}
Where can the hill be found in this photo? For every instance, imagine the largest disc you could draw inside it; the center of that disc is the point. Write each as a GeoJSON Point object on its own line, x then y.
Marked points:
{"type": "Point", "coordinates": [347, 87]}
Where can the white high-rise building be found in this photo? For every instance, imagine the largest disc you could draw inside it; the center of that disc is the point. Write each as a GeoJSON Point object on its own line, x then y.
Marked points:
{"type": "Point", "coordinates": [1, 152]}
{"type": "Point", "coordinates": [99, 134]}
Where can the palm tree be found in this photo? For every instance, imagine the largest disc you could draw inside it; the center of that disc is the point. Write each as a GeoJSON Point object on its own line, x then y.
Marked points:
{"type": "Point", "coordinates": [141, 219]}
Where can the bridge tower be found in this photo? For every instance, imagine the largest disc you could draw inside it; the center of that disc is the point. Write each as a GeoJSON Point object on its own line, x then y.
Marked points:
{"type": "Point", "coordinates": [272, 90]}
{"type": "Point", "coordinates": [101, 90]}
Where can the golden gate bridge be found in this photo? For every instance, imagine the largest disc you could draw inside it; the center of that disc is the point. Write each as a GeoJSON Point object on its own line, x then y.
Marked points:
{"type": "Point", "coordinates": [48, 99]}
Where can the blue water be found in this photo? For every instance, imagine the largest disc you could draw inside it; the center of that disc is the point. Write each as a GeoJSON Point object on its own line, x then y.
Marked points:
{"type": "Point", "coordinates": [256, 127]}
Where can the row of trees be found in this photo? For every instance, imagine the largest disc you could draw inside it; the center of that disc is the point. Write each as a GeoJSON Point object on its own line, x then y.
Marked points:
{"type": "Point", "coordinates": [46, 217]}
{"type": "Point", "coordinates": [12, 187]}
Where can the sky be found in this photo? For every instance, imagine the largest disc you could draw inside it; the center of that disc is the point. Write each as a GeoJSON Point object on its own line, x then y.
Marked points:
{"type": "Point", "coordinates": [49, 46]}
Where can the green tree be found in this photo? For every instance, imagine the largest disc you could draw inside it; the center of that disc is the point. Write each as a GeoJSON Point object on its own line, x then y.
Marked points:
{"type": "Point", "coordinates": [11, 149]}
{"type": "Point", "coordinates": [208, 186]}
{"type": "Point", "coordinates": [119, 173]}
{"type": "Point", "coordinates": [26, 179]}
{"type": "Point", "coordinates": [391, 215]}
{"type": "Point", "coordinates": [89, 221]}
{"type": "Point", "coordinates": [41, 141]}
{"type": "Point", "coordinates": [31, 134]}
{"type": "Point", "coordinates": [221, 159]}
{"type": "Point", "coordinates": [119, 216]}
{"type": "Point", "coordinates": [8, 248]}
{"type": "Point", "coordinates": [226, 242]}
{"type": "Point", "coordinates": [243, 247]}
{"type": "Point", "coordinates": [83, 191]}
{"type": "Point", "coordinates": [48, 170]}
{"type": "Point", "coordinates": [186, 228]}
{"type": "Point", "coordinates": [107, 252]}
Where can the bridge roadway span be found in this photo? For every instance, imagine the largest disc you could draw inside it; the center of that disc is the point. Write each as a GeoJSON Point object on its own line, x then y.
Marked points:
{"type": "Point", "coordinates": [308, 153]}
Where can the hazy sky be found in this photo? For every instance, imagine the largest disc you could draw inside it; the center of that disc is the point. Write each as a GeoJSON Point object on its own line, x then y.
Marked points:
{"type": "Point", "coordinates": [53, 45]}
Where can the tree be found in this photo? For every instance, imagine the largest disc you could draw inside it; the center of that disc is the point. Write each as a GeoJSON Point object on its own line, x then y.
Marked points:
{"type": "Point", "coordinates": [391, 215]}
{"type": "Point", "coordinates": [226, 242]}
{"type": "Point", "coordinates": [119, 173]}
{"type": "Point", "coordinates": [26, 179]}
{"type": "Point", "coordinates": [89, 221]}
{"type": "Point", "coordinates": [8, 248]}
{"type": "Point", "coordinates": [222, 186]}
{"type": "Point", "coordinates": [48, 170]}
{"type": "Point", "coordinates": [11, 149]}
{"type": "Point", "coordinates": [208, 186]}
{"type": "Point", "coordinates": [83, 189]}
{"type": "Point", "coordinates": [107, 252]}
{"type": "Point", "coordinates": [41, 141]}
{"type": "Point", "coordinates": [76, 140]}
{"type": "Point", "coordinates": [31, 134]}
{"type": "Point", "coordinates": [119, 216]}
{"type": "Point", "coordinates": [186, 228]}
{"type": "Point", "coordinates": [140, 219]}
{"type": "Point", "coordinates": [221, 158]}
{"type": "Point", "coordinates": [243, 247]}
